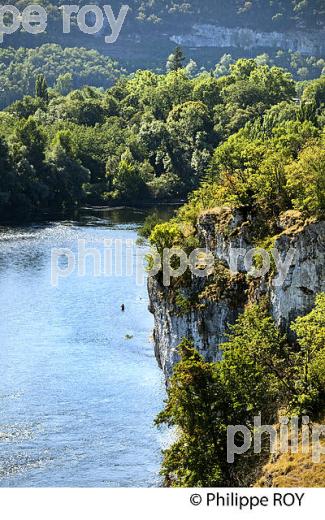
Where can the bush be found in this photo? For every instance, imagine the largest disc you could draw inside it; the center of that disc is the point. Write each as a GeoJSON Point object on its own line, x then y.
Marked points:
{"type": "Point", "coordinates": [166, 236]}
{"type": "Point", "coordinates": [306, 181]}
{"type": "Point", "coordinates": [259, 374]}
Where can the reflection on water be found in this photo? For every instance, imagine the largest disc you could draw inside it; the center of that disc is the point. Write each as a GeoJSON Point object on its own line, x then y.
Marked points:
{"type": "Point", "coordinates": [79, 386]}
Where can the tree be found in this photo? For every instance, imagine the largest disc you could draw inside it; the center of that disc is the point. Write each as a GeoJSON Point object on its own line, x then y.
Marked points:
{"type": "Point", "coordinates": [21, 66]}
{"type": "Point", "coordinates": [31, 136]}
{"type": "Point", "coordinates": [278, 84]}
{"type": "Point", "coordinates": [191, 129]}
{"type": "Point", "coordinates": [259, 374]}
{"type": "Point", "coordinates": [41, 88]}
{"type": "Point", "coordinates": [195, 403]}
{"type": "Point", "coordinates": [205, 398]}
{"type": "Point", "coordinates": [191, 68]}
{"type": "Point", "coordinates": [176, 60]}
{"type": "Point", "coordinates": [8, 179]}
{"type": "Point", "coordinates": [166, 236]}
{"type": "Point", "coordinates": [243, 68]}
{"type": "Point", "coordinates": [165, 187]}
{"type": "Point", "coordinates": [306, 180]}
{"type": "Point", "coordinates": [310, 360]}
{"type": "Point", "coordinates": [168, 124]}
{"type": "Point", "coordinates": [171, 89]}
{"type": "Point", "coordinates": [252, 84]}
{"type": "Point", "coordinates": [223, 67]}
{"type": "Point", "coordinates": [207, 90]}
{"type": "Point", "coordinates": [315, 92]}
{"type": "Point", "coordinates": [66, 176]}
{"type": "Point", "coordinates": [64, 83]}
{"type": "Point", "coordinates": [254, 366]}
{"type": "Point", "coordinates": [310, 329]}
{"type": "Point", "coordinates": [127, 180]}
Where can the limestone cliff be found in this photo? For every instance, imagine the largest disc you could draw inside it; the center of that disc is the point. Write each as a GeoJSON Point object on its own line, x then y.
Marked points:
{"type": "Point", "coordinates": [208, 35]}
{"type": "Point", "coordinates": [203, 308]}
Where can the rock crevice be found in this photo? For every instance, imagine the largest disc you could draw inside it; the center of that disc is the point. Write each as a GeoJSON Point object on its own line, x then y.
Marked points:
{"type": "Point", "coordinates": [207, 320]}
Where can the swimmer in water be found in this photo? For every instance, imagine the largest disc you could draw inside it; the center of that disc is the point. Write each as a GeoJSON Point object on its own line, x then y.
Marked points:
{"type": "Point", "coordinates": [122, 307]}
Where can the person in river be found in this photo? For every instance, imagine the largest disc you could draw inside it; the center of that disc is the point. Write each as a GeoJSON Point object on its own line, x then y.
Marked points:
{"type": "Point", "coordinates": [122, 307]}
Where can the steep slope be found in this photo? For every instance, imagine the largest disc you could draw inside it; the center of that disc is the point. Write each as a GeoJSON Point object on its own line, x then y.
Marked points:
{"type": "Point", "coordinates": [206, 29]}
{"type": "Point", "coordinates": [292, 470]}
{"type": "Point", "coordinates": [216, 301]}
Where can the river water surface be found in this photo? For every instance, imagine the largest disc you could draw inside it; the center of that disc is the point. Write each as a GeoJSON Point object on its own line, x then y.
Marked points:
{"type": "Point", "coordinates": [79, 385]}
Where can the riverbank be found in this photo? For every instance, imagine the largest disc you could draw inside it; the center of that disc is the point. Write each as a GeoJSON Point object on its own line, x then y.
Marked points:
{"type": "Point", "coordinates": [47, 216]}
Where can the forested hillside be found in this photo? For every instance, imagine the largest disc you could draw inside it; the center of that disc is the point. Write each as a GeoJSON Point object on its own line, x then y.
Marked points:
{"type": "Point", "coordinates": [149, 34]}
{"type": "Point", "coordinates": [155, 137]}
{"type": "Point", "coordinates": [260, 375]}
{"type": "Point", "coordinates": [262, 14]}
{"type": "Point", "coordinates": [150, 28]}
{"type": "Point", "coordinates": [66, 69]}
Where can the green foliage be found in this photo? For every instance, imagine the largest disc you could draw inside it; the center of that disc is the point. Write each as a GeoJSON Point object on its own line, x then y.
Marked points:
{"type": "Point", "coordinates": [149, 225]}
{"type": "Point", "coordinates": [194, 408]}
{"type": "Point", "coordinates": [176, 60]}
{"type": "Point", "coordinates": [265, 14]}
{"type": "Point", "coordinates": [62, 68]}
{"type": "Point", "coordinates": [315, 93]}
{"type": "Point", "coordinates": [254, 365]}
{"type": "Point", "coordinates": [309, 360]}
{"type": "Point", "coordinates": [311, 329]}
{"type": "Point", "coordinates": [154, 137]}
{"type": "Point", "coordinates": [259, 374]}
{"type": "Point", "coordinates": [207, 90]}
{"type": "Point", "coordinates": [271, 166]}
{"type": "Point", "coordinates": [41, 88]}
{"type": "Point", "coordinates": [64, 83]}
{"type": "Point", "coordinates": [166, 236]}
{"type": "Point", "coordinates": [184, 304]}
{"type": "Point", "coordinates": [127, 182]}
{"type": "Point", "coordinates": [67, 175]}
{"type": "Point", "coordinates": [306, 181]}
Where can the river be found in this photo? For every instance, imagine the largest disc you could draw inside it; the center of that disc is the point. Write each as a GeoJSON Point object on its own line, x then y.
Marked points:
{"type": "Point", "coordinates": [79, 384]}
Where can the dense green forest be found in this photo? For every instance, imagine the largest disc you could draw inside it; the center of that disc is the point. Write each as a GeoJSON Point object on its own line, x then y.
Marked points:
{"type": "Point", "coordinates": [247, 134]}
{"type": "Point", "coordinates": [256, 13]}
{"type": "Point", "coordinates": [146, 39]}
{"type": "Point", "coordinates": [66, 69]}
{"type": "Point", "coordinates": [158, 135]}
{"type": "Point", "coordinates": [148, 30]}
{"type": "Point", "coordinates": [270, 14]}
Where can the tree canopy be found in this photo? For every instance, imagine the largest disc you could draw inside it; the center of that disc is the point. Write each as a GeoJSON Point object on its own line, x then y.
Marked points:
{"type": "Point", "coordinates": [159, 136]}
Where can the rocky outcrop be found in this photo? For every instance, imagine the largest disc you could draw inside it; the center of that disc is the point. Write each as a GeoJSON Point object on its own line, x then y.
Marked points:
{"type": "Point", "coordinates": [206, 324]}
{"type": "Point", "coordinates": [306, 275]}
{"type": "Point", "coordinates": [296, 275]}
{"type": "Point", "coordinates": [208, 35]}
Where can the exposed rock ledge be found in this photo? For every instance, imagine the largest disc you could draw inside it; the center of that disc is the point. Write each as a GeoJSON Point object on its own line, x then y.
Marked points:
{"type": "Point", "coordinates": [207, 322]}
{"type": "Point", "coordinates": [209, 35]}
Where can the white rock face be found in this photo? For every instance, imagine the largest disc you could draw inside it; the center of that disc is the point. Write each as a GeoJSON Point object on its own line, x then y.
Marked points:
{"type": "Point", "coordinates": [220, 232]}
{"type": "Point", "coordinates": [207, 328]}
{"type": "Point", "coordinates": [223, 232]}
{"type": "Point", "coordinates": [306, 277]}
{"type": "Point", "coordinates": [208, 35]}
